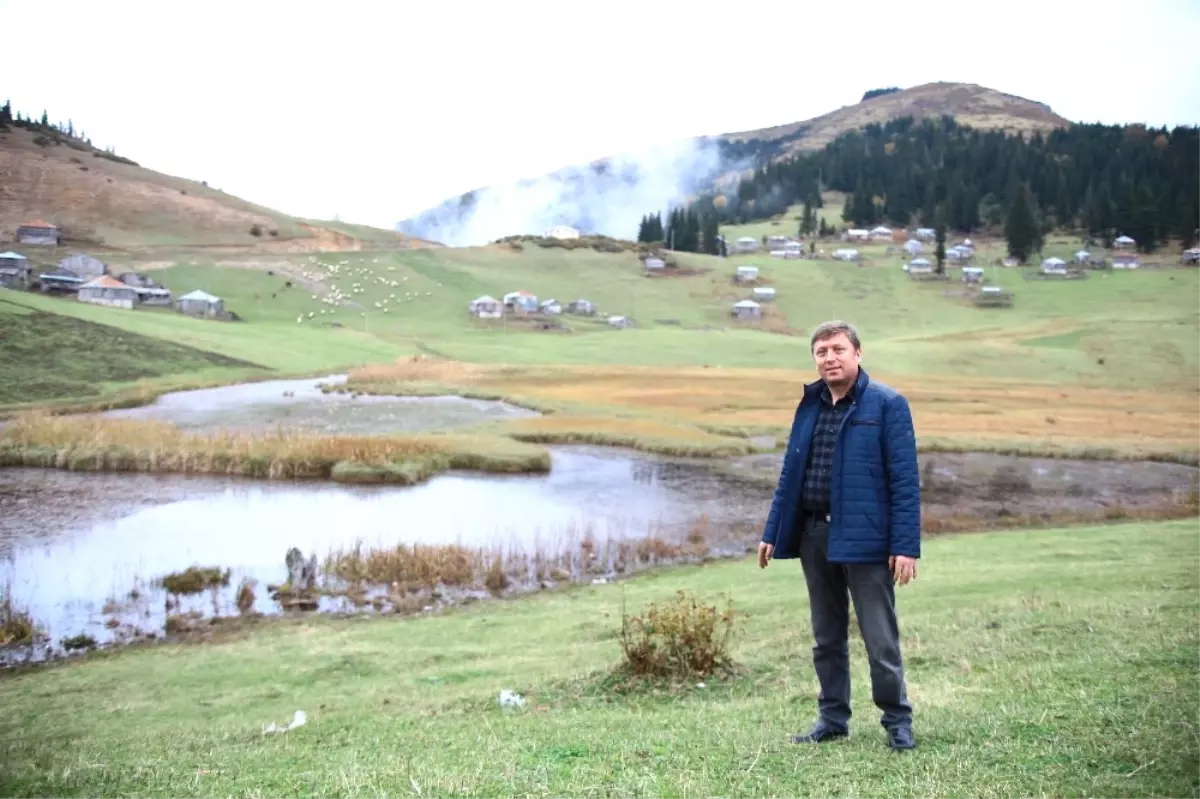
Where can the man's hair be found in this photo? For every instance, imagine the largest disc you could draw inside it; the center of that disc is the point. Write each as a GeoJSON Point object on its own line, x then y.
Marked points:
{"type": "Point", "coordinates": [831, 329]}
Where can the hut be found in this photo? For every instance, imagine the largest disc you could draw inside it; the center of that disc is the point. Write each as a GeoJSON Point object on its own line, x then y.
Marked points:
{"type": "Point", "coordinates": [83, 265]}
{"type": "Point", "coordinates": [764, 293]}
{"type": "Point", "coordinates": [926, 233]}
{"type": "Point", "coordinates": [845, 254]}
{"type": "Point", "coordinates": [200, 303]}
{"type": "Point", "coordinates": [14, 270]}
{"type": "Point", "coordinates": [551, 307]}
{"type": "Point", "coordinates": [37, 231]}
{"type": "Point", "coordinates": [747, 309]}
{"type": "Point", "coordinates": [581, 307]}
{"type": "Point", "coordinates": [1054, 266]}
{"type": "Point", "coordinates": [972, 274]}
{"type": "Point", "coordinates": [919, 266]}
{"type": "Point", "coordinates": [1124, 243]}
{"type": "Point", "coordinates": [620, 321]}
{"type": "Point", "coordinates": [486, 307]}
{"type": "Point", "coordinates": [745, 274]}
{"type": "Point", "coordinates": [1082, 256]}
{"type": "Point", "coordinates": [106, 290]}
{"type": "Point", "coordinates": [881, 233]}
{"type": "Point", "coordinates": [913, 247]}
{"type": "Point", "coordinates": [521, 301]}
{"type": "Point", "coordinates": [653, 264]}
{"type": "Point", "coordinates": [562, 232]}
{"type": "Point", "coordinates": [1125, 261]}
{"type": "Point", "coordinates": [1190, 257]}
{"type": "Point", "coordinates": [746, 244]}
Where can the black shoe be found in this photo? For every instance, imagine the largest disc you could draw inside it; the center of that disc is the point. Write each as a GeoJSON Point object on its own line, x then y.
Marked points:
{"type": "Point", "coordinates": [821, 731]}
{"type": "Point", "coordinates": [901, 738]}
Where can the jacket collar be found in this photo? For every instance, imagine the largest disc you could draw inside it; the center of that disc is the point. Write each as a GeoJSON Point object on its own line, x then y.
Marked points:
{"type": "Point", "coordinates": [814, 388]}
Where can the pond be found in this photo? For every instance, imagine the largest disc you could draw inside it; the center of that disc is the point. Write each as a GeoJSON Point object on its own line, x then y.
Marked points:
{"type": "Point", "coordinates": [70, 543]}
{"type": "Point", "coordinates": [302, 405]}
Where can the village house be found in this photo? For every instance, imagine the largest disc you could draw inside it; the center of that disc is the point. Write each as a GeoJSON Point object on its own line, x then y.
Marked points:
{"type": "Point", "coordinates": [1054, 266]}
{"type": "Point", "coordinates": [620, 321]}
{"type": "Point", "coordinates": [551, 306]}
{"type": "Point", "coordinates": [486, 307]}
{"type": "Point", "coordinates": [107, 290]}
{"type": "Point", "coordinates": [925, 234]}
{"type": "Point", "coordinates": [746, 244]}
{"type": "Point", "coordinates": [913, 247]}
{"type": "Point", "coordinates": [881, 233]}
{"type": "Point", "coordinates": [1123, 243]}
{"type": "Point", "coordinates": [845, 255]}
{"type": "Point", "coordinates": [959, 253]}
{"type": "Point", "coordinates": [38, 231]}
{"type": "Point", "coordinates": [521, 301]}
{"type": "Point", "coordinates": [15, 270]}
{"type": "Point", "coordinates": [562, 232]}
{"type": "Point", "coordinates": [581, 307]}
{"type": "Point", "coordinates": [856, 234]}
{"type": "Point", "coordinates": [83, 265]}
{"type": "Point", "coordinates": [764, 293]}
{"type": "Point", "coordinates": [59, 281]}
{"type": "Point", "coordinates": [919, 266]}
{"type": "Point", "coordinates": [745, 274]}
{"type": "Point", "coordinates": [200, 303]}
{"type": "Point", "coordinates": [1082, 256]}
{"type": "Point", "coordinates": [654, 264]}
{"type": "Point", "coordinates": [972, 274]}
{"type": "Point", "coordinates": [776, 242]}
{"type": "Point", "coordinates": [149, 292]}
{"type": "Point", "coordinates": [1190, 257]}
{"type": "Point", "coordinates": [1125, 261]}
{"type": "Point", "coordinates": [746, 309]}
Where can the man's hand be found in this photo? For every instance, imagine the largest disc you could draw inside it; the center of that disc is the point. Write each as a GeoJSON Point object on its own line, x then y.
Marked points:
{"type": "Point", "coordinates": [764, 554]}
{"type": "Point", "coordinates": [902, 567]}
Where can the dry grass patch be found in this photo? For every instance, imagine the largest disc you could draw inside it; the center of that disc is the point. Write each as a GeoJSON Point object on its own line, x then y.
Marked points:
{"type": "Point", "coordinates": [646, 435]}
{"type": "Point", "coordinates": [90, 443]}
{"type": "Point", "coordinates": [990, 414]}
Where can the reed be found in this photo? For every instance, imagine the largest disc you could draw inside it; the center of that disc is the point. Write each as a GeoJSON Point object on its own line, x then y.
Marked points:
{"type": "Point", "coordinates": [91, 443]}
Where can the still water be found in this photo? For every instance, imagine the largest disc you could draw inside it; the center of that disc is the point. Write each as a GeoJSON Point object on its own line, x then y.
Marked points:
{"type": "Point", "coordinates": [70, 542]}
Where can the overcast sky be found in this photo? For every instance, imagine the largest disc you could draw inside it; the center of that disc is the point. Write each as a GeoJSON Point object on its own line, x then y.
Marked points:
{"type": "Point", "coordinates": [376, 110]}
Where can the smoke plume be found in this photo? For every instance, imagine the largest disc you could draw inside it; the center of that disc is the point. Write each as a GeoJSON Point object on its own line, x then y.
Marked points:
{"type": "Point", "coordinates": [606, 197]}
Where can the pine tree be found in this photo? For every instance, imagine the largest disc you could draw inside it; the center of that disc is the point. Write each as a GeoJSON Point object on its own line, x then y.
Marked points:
{"type": "Point", "coordinates": [1020, 228]}
{"type": "Point", "coordinates": [940, 252]}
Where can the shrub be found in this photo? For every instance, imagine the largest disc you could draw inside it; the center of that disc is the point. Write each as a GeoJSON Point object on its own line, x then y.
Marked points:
{"type": "Point", "coordinates": [681, 639]}
{"type": "Point", "coordinates": [256, 230]}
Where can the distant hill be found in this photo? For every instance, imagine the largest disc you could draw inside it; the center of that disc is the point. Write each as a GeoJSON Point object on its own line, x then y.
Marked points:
{"type": "Point", "coordinates": [975, 106]}
{"type": "Point", "coordinates": [97, 198]}
{"type": "Point", "coordinates": [609, 196]}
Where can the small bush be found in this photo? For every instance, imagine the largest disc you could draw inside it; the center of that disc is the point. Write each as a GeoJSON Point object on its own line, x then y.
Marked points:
{"type": "Point", "coordinates": [681, 639]}
{"type": "Point", "coordinates": [256, 230]}
{"type": "Point", "coordinates": [16, 624]}
{"type": "Point", "coordinates": [194, 580]}
{"type": "Point", "coordinates": [245, 596]}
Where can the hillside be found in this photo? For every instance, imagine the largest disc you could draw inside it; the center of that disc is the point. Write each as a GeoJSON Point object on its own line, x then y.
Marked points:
{"type": "Point", "coordinates": [975, 106]}
{"type": "Point", "coordinates": [98, 199]}
{"type": "Point", "coordinates": [610, 195]}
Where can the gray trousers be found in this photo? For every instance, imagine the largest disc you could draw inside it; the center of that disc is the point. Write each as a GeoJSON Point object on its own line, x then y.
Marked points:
{"type": "Point", "coordinates": [871, 588]}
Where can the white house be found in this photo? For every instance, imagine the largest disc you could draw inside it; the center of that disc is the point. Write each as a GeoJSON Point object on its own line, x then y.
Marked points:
{"type": "Point", "coordinates": [746, 244]}
{"type": "Point", "coordinates": [486, 307]}
{"type": "Point", "coordinates": [913, 247]}
{"type": "Point", "coordinates": [1054, 266]}
{"type": "Point", "coordinates": [654, 264]}
{"type": "Point", "coordinates": [1123, 243]}
{"type": "Point", "coordinates": [521, 300]}
{"type": "Point", "coordinates": [881, 233]}
{"type": "Point", "coordinates": [562, 232]}
{"type": "Point", "coordinates": [856, 234]}
{"type": "Point", "coordinates": [926, 233]}
{"type": "Point", "coordinates": [1082, 256]}
{"type": "Point", "coordinates": [972, 274]}
{"type": "Point", "coordinates": [918, 266]}
{"type": "Point", "coordinates": [764, 293]}
{"type": "Point", "coordinates": [845, 255]}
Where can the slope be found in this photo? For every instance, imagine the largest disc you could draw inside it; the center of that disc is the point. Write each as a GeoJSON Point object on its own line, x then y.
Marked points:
{"type": "Point", "coordinates": [99, 199]}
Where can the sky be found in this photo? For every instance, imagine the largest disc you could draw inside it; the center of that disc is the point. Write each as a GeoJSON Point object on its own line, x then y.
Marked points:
{"type": "Point", "coordinates": [373, 111]}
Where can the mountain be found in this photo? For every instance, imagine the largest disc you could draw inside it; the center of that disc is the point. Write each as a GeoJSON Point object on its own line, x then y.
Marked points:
{"type": "Point", "coordinates": [99, 199]}
{"type": "Point", "coordinates": [975, 106]}
{"type": "Point", "coordinates": [610, 196]}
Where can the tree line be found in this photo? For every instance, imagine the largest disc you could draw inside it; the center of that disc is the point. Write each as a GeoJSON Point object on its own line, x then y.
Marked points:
{"type": "Point", "coordinates": [1102, 180]}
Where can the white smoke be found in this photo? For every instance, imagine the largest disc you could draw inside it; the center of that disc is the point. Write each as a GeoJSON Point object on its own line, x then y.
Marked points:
{"type": "Point", "coordinates": [610, 202]}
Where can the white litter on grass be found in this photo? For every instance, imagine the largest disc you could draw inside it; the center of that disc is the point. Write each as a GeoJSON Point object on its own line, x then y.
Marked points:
{"type": "Point", "coordinates": [298, 720]}
{"type": "Point", "coordinates": [510, 699]}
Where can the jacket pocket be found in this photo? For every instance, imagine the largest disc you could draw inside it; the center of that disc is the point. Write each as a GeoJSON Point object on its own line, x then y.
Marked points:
{"type": "Point", "coordinates": [866, 423]}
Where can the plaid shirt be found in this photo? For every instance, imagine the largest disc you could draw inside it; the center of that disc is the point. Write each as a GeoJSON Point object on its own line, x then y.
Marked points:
{"type": "Point", "coordinates": [815, 492]}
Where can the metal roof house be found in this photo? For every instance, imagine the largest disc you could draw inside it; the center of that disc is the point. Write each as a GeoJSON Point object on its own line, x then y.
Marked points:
{"type": "Point", "coordinates": [14, 270]}
{"type": "Point", "coordinates": [746, 309]}
{"type": "Point", "coordinates": [109, 291]}
{"type": "Point", "coordinates": [38, 231]}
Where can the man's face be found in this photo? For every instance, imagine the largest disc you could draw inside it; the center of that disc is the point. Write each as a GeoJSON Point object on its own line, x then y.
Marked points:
{"type": "Point", "coordinates": [837, 359]}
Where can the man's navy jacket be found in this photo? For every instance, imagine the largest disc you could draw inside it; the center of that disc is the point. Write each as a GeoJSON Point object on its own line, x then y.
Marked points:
{"type": "Point", "coordinates": [874, 491]}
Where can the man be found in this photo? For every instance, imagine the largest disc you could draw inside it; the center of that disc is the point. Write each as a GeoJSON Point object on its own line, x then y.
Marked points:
{"type": "Point", "coordinates": [848, 505]}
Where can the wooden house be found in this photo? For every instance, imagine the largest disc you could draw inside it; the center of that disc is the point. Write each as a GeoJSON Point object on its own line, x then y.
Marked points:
{"type": "Point", "coordinates": [521, 301]}
{"type": "Point", "coordinates": [59, 281]}
{"type": "Point", "coordinates": [106, 290]}
{"type": "Point", "coordinates": [745, 274]}
{"type": "Point", "coordinates": [38, 231]}
{"type": "Point", "coordinates": [581, 307]}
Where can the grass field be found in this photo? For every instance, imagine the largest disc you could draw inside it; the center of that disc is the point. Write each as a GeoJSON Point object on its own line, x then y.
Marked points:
{"type": "Point", "coordinates": [1039, 663]}
{"type": "Point", "coordinates": [1107, 363]}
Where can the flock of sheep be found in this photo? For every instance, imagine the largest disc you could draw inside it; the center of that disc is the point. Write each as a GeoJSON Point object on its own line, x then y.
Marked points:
{"type": "Point", "coordinates": [363, 272]}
